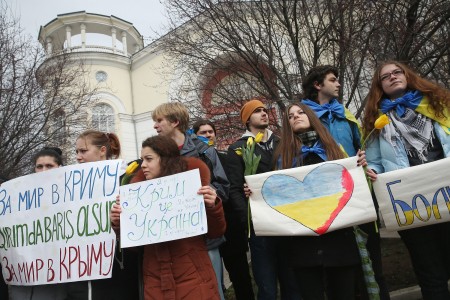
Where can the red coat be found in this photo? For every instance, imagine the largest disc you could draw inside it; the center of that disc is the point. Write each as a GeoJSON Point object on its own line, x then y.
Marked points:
{"type": "Point", "coordinates": [182, 269]}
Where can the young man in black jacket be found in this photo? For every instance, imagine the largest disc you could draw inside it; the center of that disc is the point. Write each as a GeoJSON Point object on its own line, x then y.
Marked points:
{"type": "Point", "coordinates": [267, 264]}
{"type": "Point", "coordinates": [234, 250]}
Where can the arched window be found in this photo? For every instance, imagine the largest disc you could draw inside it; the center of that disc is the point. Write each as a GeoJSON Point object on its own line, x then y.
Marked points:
{"type": "Point", "coordinates": [103, 118]}
{"type": "Point", "coordinates": [58, 127]}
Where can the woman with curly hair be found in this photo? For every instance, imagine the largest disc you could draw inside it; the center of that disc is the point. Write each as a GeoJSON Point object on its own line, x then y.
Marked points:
{"type": "Point", "coordinates": [177, 269]}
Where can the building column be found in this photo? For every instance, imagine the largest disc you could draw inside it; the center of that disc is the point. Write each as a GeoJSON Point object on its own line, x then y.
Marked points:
{"type": "Point", "coordinates": [124, 43]}
{"type": "Point", "coordinates": [83, 36]}
{"type": "Point", "coordinates": [68, 38]}
{"type": "Point", "coordinates": [49, 46]}
{"type": "Point", "coordinates": [113, 37]}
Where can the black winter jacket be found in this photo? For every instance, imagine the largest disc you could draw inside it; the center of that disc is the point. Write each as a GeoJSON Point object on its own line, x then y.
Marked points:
{"type": "Point", "coordinates": [333, 249]}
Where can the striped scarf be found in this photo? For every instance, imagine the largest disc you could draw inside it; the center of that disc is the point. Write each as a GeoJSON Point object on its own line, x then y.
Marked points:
{"type": "Point", "coordinates": [369, 276]}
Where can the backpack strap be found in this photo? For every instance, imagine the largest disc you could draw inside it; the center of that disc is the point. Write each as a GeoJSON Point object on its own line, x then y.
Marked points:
{"type": "Point", "coordinates": [201, 148]}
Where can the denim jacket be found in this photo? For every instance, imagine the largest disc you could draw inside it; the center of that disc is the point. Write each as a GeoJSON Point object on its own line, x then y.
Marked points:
{"type": "Point", "coordinates": [383, 157]}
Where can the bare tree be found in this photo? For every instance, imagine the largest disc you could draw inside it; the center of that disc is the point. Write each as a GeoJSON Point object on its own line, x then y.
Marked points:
{"type": "Point", "coordinates": [230, 51]}
{"type": "Point", "coordinates": [41, 100]}
{"type": "Point", "coordinates": [415, 32]}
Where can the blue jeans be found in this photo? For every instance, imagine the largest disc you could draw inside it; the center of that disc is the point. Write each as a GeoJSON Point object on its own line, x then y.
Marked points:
{"type": "Point", "coordinates": [429, 248]}
{"type": "Point", "coordinates": [270, 266]}
{"type": "Point", "coordinates": [216, 261]}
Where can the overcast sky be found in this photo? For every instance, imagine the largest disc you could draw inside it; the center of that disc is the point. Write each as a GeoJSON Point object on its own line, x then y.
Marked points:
{"type": "Point", "coordinates": [147, 16]}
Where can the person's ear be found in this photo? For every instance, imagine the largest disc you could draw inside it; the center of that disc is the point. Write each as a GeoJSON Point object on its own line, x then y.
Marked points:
{"type": "Point", "coordinates": [175, 123]}
{"type": "Point", "coordinates": [317, 85]}
{"type": "Point", "coordinates": [103, 151]}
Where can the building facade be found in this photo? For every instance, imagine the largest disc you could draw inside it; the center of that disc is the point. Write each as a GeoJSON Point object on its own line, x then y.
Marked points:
{"type": "Point", "coordinates": [126, 74]}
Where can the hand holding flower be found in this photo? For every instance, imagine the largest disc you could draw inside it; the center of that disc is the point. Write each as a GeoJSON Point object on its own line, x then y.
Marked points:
{"type": "Point", "coordinates": [251, 161]}
{"type": "Point", "coordinates": [371, 174]}
{"type": "Point", "coordinates": [247, 190]}
{"type": "Point", "coordinates": [382, 121]}
{"type": "Point", "coordinates": [361, 158]}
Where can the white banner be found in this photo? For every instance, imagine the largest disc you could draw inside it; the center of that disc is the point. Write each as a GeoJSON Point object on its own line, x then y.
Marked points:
{"type": "Point", "coordinates": [55, 226]}
{"type": "Point", "coordinates": [415, 196]}
{"type": "Point", "coordinates": [310, 200]}
{"type": "Point", "coordinates": [162, 209]}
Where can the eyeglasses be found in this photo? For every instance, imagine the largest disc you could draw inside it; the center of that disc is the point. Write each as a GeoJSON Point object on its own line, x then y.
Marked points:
{"type": "Point", "coordinates": [387, 76]}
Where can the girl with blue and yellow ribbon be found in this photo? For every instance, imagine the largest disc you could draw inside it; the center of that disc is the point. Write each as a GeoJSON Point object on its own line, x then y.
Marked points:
{"type": "Point", "coordinates": [328, 263]}
{"type": "Point", "coordinates": [418, 133]}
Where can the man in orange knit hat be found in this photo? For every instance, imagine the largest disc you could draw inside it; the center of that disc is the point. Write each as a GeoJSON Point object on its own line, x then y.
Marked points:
{"type": "Point", "coordinates": [267, 264]}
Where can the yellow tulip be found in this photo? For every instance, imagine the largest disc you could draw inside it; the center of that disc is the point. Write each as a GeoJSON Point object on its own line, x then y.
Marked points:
{"type": "Point", "coordinates": [249, 141]}
{"type": "Point", "coordinates": [382, 121]}
{"type": "Point", "coordinates": [238, 151]}
{"type": "Point", "coordinates": [131, 168]}
{"type": "Point", "coordinates": [259, 137]}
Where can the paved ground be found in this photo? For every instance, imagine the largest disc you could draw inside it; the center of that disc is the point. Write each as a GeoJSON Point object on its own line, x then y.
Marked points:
{"type": "Point", "coordinates": [388, 234]}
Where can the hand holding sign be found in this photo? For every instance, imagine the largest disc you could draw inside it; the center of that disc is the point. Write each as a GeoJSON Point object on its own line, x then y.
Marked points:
{"type": "Point", "coordinates": [56, 226]}
{"type": "Point", "coordinates": [310, 200]}
{"type": "Point", "coordinates": [163, 209]}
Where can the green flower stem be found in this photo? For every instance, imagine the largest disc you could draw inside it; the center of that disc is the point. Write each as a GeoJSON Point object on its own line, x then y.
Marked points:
{"type": "Point", "coordinates": [363, 145]}
{"type": "Point", "coordinates": [249, 214]}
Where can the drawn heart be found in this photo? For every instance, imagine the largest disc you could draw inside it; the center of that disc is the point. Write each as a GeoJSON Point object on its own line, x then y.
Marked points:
{"type": "Point", "coordinates": [314, 202]}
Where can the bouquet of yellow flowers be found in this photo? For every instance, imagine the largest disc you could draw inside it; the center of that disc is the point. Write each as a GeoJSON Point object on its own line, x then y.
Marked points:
{"type": "Point", "coordinates": [251, 160]}
{"type": "Point", "coordinates": [129, 172]}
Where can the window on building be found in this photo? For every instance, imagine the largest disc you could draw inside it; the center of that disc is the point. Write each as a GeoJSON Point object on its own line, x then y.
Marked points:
{"type": "Point", "coordinates": [58, 127]}
{"type": "Point", "coordinates": [103, 118]}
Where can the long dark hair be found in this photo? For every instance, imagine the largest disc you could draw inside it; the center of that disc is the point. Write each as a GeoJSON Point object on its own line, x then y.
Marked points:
{"type": "Point", "coordinates": [439, 97]}
{"type": "Point", "coordinates": [53, 152]}
{"type": "Point", "coordinates": [171, 162]}
{"type": "Point", "coordinates": [290, 144]}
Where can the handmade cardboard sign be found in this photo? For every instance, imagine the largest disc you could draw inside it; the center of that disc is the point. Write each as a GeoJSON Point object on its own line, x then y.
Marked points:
{"type": "Point", "coordinates": [55, 226]}
{"type": "Point", "coordinates": [310, 200]}
{"type": "Point", "coordinates": [162, 209]}
{"type": "Point", "coordinates": [415, 196]}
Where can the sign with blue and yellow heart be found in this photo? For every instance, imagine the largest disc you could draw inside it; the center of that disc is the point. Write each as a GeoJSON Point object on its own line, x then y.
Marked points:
{"type": "Point", "coordinates": [310, 200]}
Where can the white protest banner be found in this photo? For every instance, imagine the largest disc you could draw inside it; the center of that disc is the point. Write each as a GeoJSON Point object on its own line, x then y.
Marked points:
{"type": "Point", "coordinates": [415, 196]}
{"type": "Point", "coordinates": [55, 226]}
{"type": "Point", "coordinates": [162, 209]}
{"type": "Point", "coordinates": [310, 200]}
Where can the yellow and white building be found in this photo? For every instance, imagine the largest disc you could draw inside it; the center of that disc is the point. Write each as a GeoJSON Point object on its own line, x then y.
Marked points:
{"type": "Point", "coordinates": [127, 74]}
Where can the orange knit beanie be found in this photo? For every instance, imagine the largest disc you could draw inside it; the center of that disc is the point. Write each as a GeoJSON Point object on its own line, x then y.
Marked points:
{"type": "Point", "coordinates": [249, 108]}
